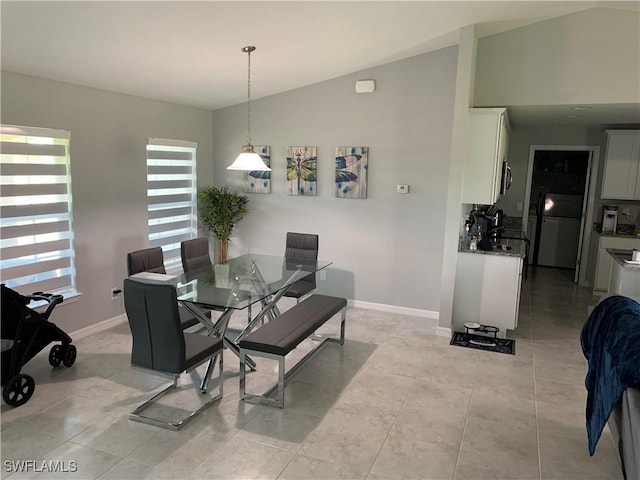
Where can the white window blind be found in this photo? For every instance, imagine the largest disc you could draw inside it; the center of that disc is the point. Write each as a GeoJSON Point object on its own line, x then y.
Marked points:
{"type": "Point", "coordinates": [36, 233]}
{"type": "Point", "coordinates": [171, 196]}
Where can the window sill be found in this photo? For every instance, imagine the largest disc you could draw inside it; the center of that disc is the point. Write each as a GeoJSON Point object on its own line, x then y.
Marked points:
{"type": "Point", "coordinates": [70, 296]}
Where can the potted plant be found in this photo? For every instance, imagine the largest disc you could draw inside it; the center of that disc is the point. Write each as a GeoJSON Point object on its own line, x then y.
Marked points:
{"type": "Point", "coordinates": [220, 210]}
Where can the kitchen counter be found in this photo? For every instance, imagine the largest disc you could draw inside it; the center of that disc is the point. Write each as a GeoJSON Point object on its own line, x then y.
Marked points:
{"type": "Point", "coordinates": [619, 256]}
{"type": "Point", "coordinates": [623, 231]}
{"type": "Point", "coordinates": [625, 277]}
{"type": "Point", "coordinates": [513, 243]}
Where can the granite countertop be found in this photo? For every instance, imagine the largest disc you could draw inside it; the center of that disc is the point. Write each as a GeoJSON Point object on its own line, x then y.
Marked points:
{"type": "Point", "coordinates": [506, 247]}
{"type": "Point", "coordinates": [620, 256]}
{"type": "Point", "coordinates": [623, 230]}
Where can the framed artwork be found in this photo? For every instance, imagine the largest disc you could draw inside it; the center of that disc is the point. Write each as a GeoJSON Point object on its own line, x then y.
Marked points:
{"type": "Point", "coordinates": [259, 181]}
{"type": "Point", "coordinates": [352, 167]}
{"type": "Point", "coordinates": [302, 170]}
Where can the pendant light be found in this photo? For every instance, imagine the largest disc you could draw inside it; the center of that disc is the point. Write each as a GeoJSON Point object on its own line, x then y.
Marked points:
{"type": "Point", "coordinates": [248, 160]}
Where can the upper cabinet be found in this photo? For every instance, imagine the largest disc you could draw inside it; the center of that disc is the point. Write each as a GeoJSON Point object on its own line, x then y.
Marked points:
{"type": "Point", "coordinates": [487, 146]}
{"type": "Point", "coordinates": [621, 178]}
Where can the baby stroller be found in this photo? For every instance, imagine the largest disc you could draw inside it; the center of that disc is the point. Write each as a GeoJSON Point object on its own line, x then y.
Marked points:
{"type": "Point", "coordinates": [25, 332]}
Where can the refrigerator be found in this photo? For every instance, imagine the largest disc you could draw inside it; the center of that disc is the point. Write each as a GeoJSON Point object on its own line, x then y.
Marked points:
{"type": "Point", "coordinates": [559, 235]}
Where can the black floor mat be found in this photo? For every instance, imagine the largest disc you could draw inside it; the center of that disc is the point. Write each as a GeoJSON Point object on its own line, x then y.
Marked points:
{"type": "Point", "coordinates": [481, 342]}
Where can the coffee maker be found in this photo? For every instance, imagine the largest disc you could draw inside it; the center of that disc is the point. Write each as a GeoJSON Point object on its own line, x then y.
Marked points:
{"type": "Point", "coordinates": [609, 218]}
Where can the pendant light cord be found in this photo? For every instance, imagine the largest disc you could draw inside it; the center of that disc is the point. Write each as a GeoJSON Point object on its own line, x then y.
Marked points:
{"type": "Point", "coordinates": [249, 96]}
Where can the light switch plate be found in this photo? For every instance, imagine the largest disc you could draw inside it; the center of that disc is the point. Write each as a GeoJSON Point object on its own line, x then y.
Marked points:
{"type": "Point", "coordinates": [402, 189]}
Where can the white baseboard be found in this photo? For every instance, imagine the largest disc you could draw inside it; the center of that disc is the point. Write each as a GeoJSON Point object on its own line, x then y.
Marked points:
{"type": "Point", "coordinates": [443, 332]}
{"type": "Point", "coordinates": [414, 312]}
{"type": "Point", "coordinates": [98, 327]}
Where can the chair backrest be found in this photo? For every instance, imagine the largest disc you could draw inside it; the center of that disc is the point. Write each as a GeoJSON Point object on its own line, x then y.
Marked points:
{"type": "Point", "coordinates": [158, 340]}
{"type": "Point", "coordinates": [145, 260]}
{"type": "Point", "coordinates": [195, 255]}
{"type": "Point", "coordinates": [301, 246]}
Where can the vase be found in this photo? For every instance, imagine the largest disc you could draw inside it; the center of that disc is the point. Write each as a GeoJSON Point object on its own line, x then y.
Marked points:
{"type": "Point", "coordinates": [221, 273]}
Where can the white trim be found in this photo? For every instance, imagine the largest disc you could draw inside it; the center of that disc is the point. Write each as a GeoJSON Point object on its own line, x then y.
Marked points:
{"type": "Point", "coordinates": [98, 327]}
{"type": "Point", "coordinates": [34, 131]}
{"type": "Point", "coordinates": [443, 332]}
{"type": "Point", "coordinates": [414, 312]}
{"type": "Point", "coordinates": [165, 142]}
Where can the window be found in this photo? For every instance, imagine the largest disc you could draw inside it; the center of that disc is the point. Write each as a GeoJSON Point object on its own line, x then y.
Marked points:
{"type": "Point", "coordinates": [36, 230]}
{"type": "Point", "coordinates": [172, 196]}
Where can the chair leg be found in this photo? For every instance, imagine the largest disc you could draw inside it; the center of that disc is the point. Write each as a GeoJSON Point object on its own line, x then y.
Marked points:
{"type": "Point", "coordinates": [137, 415]}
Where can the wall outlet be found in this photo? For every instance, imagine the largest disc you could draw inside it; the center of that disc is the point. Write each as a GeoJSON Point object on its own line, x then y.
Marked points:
{"type": "Point", "coordinates": [115, 293]}
{"type": "Point", "coordinates": [402, 189]}
{"type": "Point", "coordinates": [323, 275]}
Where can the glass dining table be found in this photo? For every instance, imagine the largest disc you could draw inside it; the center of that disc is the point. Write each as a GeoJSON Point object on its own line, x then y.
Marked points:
{"type": "Point", "coordinates": [239, 284]}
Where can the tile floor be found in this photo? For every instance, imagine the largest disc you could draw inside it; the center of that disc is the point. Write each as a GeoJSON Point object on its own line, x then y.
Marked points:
{"type": "Point", "coordinates": [395, 402]}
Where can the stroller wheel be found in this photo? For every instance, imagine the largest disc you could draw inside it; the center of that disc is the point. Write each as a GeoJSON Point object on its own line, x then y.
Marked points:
{"type": "Point", "coordinates": [18, 390]}
{"type": "Point", "coordinates": [55, 355]}
{"type": "Point", "coordinates": [70, 354]}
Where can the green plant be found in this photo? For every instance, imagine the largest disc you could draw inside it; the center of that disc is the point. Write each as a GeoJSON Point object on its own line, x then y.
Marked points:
{"type": "Point", "coordinates": [220, 210]}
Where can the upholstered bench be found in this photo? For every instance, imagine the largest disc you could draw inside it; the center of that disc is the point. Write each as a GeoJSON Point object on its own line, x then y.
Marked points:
{"type": "Point", "coordinates": [278, 337]}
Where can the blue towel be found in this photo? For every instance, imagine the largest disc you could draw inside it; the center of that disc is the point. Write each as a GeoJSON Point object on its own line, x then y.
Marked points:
{"type": "Point", "coordinates": [610, 341]}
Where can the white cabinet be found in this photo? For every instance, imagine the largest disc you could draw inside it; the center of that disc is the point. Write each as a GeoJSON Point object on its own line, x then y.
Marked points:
{"type": "Point", "coordinates": [621, 179]}
{"type": "Point", "coordinates": [487, 290]}
{"type": "Point", "coordinates": [487, 146]}
{"type": "Point", "coordinates": [605, 262]}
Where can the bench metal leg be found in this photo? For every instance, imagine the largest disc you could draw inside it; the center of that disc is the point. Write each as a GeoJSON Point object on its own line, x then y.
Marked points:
{"type": "Point", "coordinates": [275, 395]}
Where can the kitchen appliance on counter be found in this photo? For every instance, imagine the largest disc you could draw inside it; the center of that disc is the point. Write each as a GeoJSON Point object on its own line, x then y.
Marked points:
{"type": "Point", "coordinates": [609, 218]}
{"type": "Point", "coordinates": [558, 232]}
{"type": "Point", "coordinates": [484, 223]}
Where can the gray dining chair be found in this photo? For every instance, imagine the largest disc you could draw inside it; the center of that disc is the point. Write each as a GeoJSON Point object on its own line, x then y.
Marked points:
{"type": "Point", "coordinates": [195, 255]}
{"type": "Point", "coordinates": [161, 345]}
{"type": "Point", "coordinates": [301, 247]}
{"type": "Point", "coordinates": [152, 260]}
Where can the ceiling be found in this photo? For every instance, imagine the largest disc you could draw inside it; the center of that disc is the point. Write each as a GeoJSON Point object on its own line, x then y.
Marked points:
{"type": "Point", "coordinates": [190, 52]}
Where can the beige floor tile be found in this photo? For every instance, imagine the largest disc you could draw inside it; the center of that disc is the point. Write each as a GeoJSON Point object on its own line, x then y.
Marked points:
{"type": "Point", "coordinates": [244, 459]}
{"type": "Point", "coordinates": [115, 435]}
{"type": "Point", "coordinates": [427, 393]}
{"type": "Point", "coordinates": [282, 428]}
{"type": "Point", "coordinates": [132, 470]}
{"type": "Point", "coordinates": [306, 468]}
{"type": "Point", "coordinates": [428, 425]}
{"type": "Point", "coordinates": [497, 450]}
{"type": "Point", "coordinates": [505, 407]}
{"type": "Point", "coordinates": [560, 393]}
{"type": "Point", "coordinates": [70, 461]}
{"type": "Point", "coordinates": [560, 372]}
{"type": "Point", "coordinates": [568, 459]}
{"type": "Point", "coordinates": [402, 458]}
{"type": "Point", "coordinates": [396, 401]}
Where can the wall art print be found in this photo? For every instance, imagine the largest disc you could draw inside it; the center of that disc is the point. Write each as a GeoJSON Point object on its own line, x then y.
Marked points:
{"type": "Point", "coordinates": [352, 167]}
{"type": "Point", "coordinates": [302, 170]}
{"type": "Point", "coordinates": [259, 181]}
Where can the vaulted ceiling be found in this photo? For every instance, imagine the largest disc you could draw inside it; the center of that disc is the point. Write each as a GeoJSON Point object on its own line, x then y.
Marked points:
{"type": "Point", "coordinates": [190, 52]}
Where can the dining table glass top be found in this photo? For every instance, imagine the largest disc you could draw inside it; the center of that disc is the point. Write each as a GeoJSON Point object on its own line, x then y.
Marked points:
{"type": "Point", "coordinates": [244, 280]}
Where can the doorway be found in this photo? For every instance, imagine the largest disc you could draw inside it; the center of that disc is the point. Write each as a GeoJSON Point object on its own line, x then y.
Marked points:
{"type": "Point", "coordinates": [560, 201]}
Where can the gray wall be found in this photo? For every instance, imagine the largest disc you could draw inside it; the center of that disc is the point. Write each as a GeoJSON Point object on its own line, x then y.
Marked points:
{"type": "Point", "coordinates": [386, 249]}
{"type": "Point", "coordinates": [588, 57]}
{"type": "Point", "coordinates": [109, 133]}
